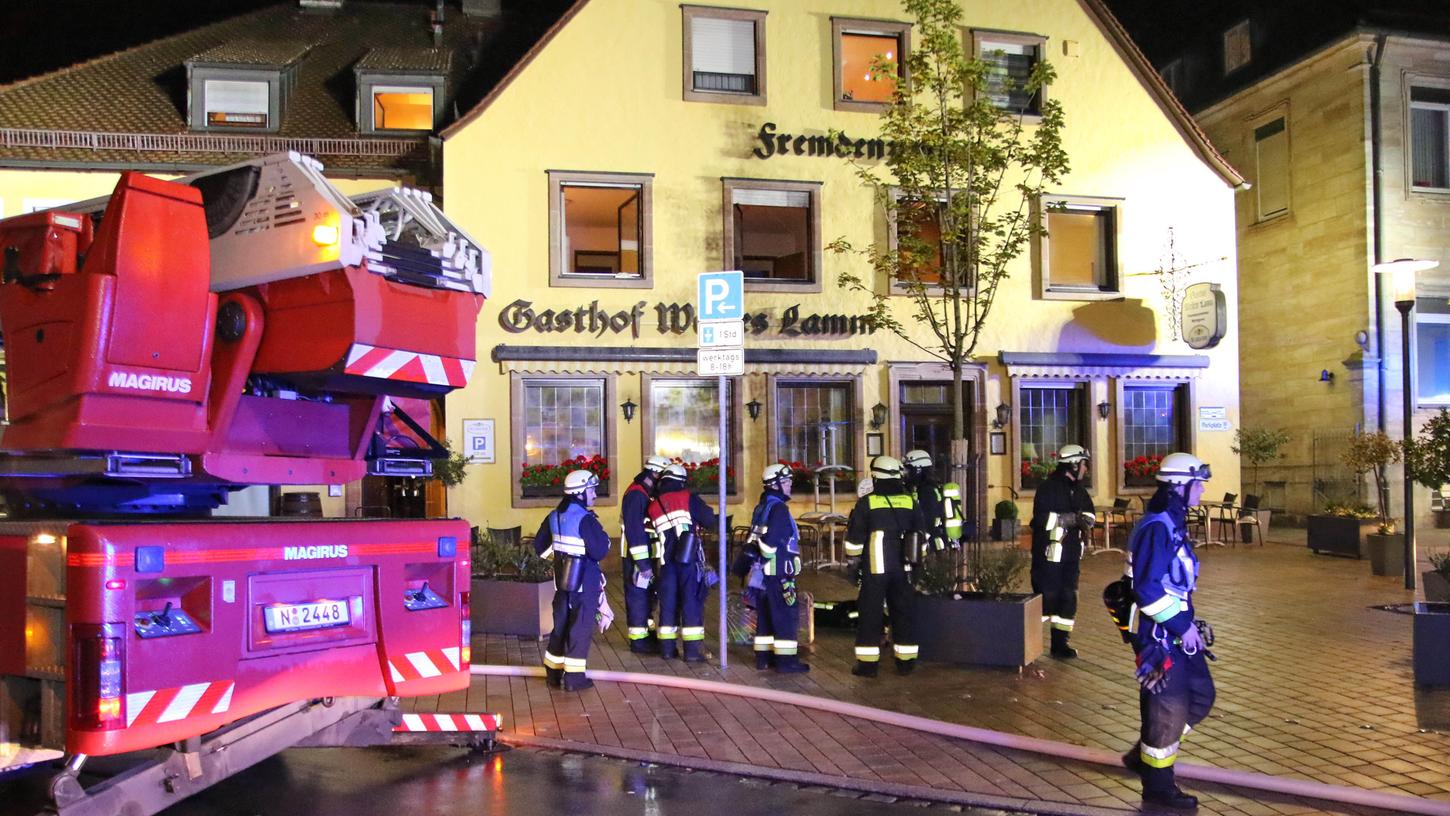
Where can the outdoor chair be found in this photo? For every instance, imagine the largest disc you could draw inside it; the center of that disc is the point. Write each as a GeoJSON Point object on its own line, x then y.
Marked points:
{"type": "Point", "coordinates": [1119, 515]}
{"type": "Point", "coordinates": [1224, 513]}
{"type": "Point", "coordinates": [511, 536]}
{"type": "Point", "coordinates": [1248, 516]}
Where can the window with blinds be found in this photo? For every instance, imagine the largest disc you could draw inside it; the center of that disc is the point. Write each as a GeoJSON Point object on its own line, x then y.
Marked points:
{"type": "Point", "coordinates": [1271, 162]}
{"type": "Point", "coordinates": [772, 231]}
{"type": "Point", "coordinates": [236, 104]}
{"type": "Point", "coordinates": [723, 55]}
{"type": "Point", "coordinates": [1430, 138]}
{"type": "Point", "coordinates": [1079, 253]}
{"type": "Point", "coordinates": [1010, 61]}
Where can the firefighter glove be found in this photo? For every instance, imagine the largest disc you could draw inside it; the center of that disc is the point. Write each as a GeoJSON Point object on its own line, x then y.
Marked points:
{"type": "Point", "coordinates": [787, 591]}
{"type": "Point", "coordinates": [1153, 665]}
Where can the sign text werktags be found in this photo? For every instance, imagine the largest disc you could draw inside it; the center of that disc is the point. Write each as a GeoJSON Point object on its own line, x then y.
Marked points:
{"type": "Point", "coordinates": [671, 318]}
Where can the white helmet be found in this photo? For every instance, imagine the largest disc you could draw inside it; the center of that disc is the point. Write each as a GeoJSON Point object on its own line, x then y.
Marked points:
{"type": "Point", "coordinates": [1072, 453]}
{"type": "Point", "coordinates": [579, 481]}
{"type": "Point", "coordinates": [918, 459]}
{"type": "Point", "coordinates": [864, 487]}
{"type": "Point", "coordinates": [775, 474]}
{"type": "Point", "coordinates": [1182, 468]}
{"type": "Point", "coordinates": [676, 471]}
{"type": "Point", "coordinates": [656, 464]}
{"type": "Point", "coordinates": [885, 467]}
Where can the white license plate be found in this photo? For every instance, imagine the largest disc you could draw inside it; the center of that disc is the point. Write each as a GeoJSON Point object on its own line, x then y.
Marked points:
{"type": "Point", "coordinates": [300, 616]}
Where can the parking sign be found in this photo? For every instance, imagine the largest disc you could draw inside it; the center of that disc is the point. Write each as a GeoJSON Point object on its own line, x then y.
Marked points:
{"type": "Point", "coordinates": [721, 296]}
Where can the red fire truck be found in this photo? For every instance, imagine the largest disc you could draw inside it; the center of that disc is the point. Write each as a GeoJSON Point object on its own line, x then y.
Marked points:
{"type": "Point", "coordinates": [166, 346]}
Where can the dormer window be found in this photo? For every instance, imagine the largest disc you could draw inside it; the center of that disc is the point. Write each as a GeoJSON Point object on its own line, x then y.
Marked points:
{"type": "Point", "coordinates": [242, 85]}
{"type": "Point", "coordinates": [401, 89]}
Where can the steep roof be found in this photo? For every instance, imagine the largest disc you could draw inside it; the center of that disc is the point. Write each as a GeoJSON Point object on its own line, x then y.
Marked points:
{"type": "Point", "coordinates": [128, 109]}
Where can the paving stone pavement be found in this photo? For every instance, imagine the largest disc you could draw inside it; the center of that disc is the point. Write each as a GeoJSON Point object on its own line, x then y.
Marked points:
{"type": "Point", "coordinates": [1312, 681]}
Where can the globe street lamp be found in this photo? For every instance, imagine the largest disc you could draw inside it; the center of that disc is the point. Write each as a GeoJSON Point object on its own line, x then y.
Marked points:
{"type": "Point", "coordinates": [1402, 288]}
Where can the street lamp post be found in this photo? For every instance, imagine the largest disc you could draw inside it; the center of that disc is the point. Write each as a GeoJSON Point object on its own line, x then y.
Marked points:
{"type": "Point", "coordinates": [1402, 284]}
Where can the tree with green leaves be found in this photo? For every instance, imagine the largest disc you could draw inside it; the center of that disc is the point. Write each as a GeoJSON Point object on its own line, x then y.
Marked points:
{"type": "Point", "coordinates": [1259, 446]}
{"type": "Point", "coordinates": [1427, 454]}
{"type": "Point", "coordinates": [973, 144]}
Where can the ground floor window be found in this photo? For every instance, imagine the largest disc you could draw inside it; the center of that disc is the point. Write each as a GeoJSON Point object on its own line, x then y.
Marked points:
{"type": "Point", "coordinates": [561, 427]}
{"type": "Point", "coordinates": [1049, 416]}
{"type": "Point", "coordinates": [1432, 351]}
{"type": "Point", "coordinates": [1153, 419]}
{"type": "Point", "coordinates": [816, 424]}
{"type": "Point", "coordinates": [684, 425]}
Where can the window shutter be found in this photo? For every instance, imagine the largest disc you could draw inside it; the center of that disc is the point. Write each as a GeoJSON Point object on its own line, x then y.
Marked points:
{"type": "Point", "coordinates": [773, 198]}
{"type": "Point", "coordinates": [1271, 143]}
{"type": "Point", "coordinates": [230, 96]}
{"type": "Point", "coordinates": [723, 46]}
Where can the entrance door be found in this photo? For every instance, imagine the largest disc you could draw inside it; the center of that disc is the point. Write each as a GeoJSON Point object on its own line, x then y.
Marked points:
{"type": "Point", "coordinates": [926, 421]}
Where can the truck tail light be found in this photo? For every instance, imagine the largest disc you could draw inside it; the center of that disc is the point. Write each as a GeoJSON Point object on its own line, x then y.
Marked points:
{"type": "Point", "coordinates": [466, 652]}
{"type": "Point", "coordinates": [98, 684]}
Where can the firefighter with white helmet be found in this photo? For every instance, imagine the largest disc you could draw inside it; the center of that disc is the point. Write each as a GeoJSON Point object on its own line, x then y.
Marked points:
{"type": "Point", "coordinates": [679, 516]}
{"type": "Point", "coordinates": [883, 526]}
{"type": "Point", "coordinates": [1176, 690]}
{"type": "Point", "coordinates": [1062, 518]}
{"type": "Point", "coordinates": [639, 552]}
{"type": "Point", "coordinates": [940, 504]}
{"type": "Point", "coordinates": [775, 536]}
{"type": "Point", "coordinates": [573, 536]}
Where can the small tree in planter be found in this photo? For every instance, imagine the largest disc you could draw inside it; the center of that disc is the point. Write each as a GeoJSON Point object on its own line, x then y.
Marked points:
{"type": "Point", "coordinates": [1259, 446]}
{"type": "Point", "coordinates": [1004, 521]}
{"type": "Point", "coordinates": [1427, 456]}
{"type": "Point", "coordinates": [1372, 453]}
{"type": "Point", "coordinates": [983, 620]}
{"type": "Point", "coordinates": [512, 588]}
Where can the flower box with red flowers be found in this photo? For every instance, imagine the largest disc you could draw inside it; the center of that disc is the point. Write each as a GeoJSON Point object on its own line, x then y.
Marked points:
{"type": "Point", "coordinates": [1142, 471]}
{"type": "Point", "coordinates": [543, 480]}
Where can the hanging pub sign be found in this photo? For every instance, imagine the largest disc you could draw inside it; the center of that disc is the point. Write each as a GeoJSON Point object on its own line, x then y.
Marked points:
{"type": "Point", "coordinates": [671, 318]}
{"type": "Point", "coordinates": [1204, 320]}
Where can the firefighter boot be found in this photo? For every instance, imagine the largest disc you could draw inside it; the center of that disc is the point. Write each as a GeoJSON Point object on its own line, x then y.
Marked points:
{"type": "Point", "coordinates": [1133, 759]}
{"type": "Point", "coordinates": [864, 669]}
{"type": "Point", "coordinates": [790, 664]}
{"type": "Point", "coordinates": [577, 681]}
{"type": "Point", "coordinates": [1060, 647]}
{"type": "Point", "coordinates": [905, 667]}
{"type": "Point", "coordinates": [694, 651]}
{"type": "Point", "coordinates": [553, 677]}
{"type": "Point", "coordinates": [764, 660]}
{"type": "Point", "coordinates": [669, 648]}
{"type": "Point", "coordinates": [1159, 789]}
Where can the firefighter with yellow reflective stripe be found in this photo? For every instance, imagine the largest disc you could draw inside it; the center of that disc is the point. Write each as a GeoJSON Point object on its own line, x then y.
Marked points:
{"type": "Point", "coordinates": [678, 516]}
{"type": "Point", "coordinates": [884, 528]}
{"type": "Point", "coordinates": [572, 535]}
{"type": "Point", "coordinates": [1062, 516]}
{"type": "Point", "coordinates": [941, 505]}
{"type": "Point", "coordinates": [1172, 656]}
{"type": "Point", "coordinates": [774, 534]}
{"type": "Point", "coordinates": [639, 551]}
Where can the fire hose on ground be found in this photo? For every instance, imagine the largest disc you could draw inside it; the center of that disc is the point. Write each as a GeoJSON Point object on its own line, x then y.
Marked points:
{"type": "Point", "coordinates": [1203, 773]}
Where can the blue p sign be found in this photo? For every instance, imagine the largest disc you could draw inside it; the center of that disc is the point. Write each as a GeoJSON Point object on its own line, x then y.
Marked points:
{"type": "Point", "coordinates": [722, 296]}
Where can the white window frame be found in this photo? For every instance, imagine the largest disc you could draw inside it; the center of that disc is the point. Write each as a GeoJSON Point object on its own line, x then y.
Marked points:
{"type": "Point", "coordinates": [813, 232]}
{"type": "Point", "coordinates": [1111, 287]}
{"type": "Point", "coordinates": [1278, 115]}
{"type": "Point", "coordinates": [1435, 83]}
{"type": "Point", "coordinates": [208, 107]}
{"type": "Point", "coordinates": [691, 13]}
{"type": "Point", "coordinates": [985, 41]}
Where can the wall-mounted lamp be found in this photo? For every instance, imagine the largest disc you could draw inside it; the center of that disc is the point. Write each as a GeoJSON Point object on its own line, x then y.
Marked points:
{"type": "Point", "coordinates": [879, 415]}
{"type": "Point", "coordinates": [753, 408]}
{"type": "Point", "coordinates": [1326, 376]}
{"type": "Point", "coordinates": [1104, 408]}
{"type": "Point", "coordinates": [1004, 415]}
{"type": "Point", "coordinates": [628, 407]}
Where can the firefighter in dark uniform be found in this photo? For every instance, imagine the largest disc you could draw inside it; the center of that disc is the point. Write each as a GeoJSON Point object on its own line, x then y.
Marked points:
{"type": "Point", "coordinates": [1062, 516]}
{"type": "Point", "coordinates": [776, 538]}
{"type": "Point", "coordinates": [1176, 690]}
{"type": "Point", "coordinates": [638, 552]}
{"type": "Point", "coordinates": [678, 516]}
{"type": "Point", "coordinates": [941, 505]}
{"type": "Point", "coordinates": [573, 536]}
{"type": "Point", "coordinates": [883, 537]}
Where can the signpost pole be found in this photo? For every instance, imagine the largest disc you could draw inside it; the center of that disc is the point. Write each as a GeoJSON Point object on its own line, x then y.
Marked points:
{"type": "Point", "coordinates": [720, 351]}
{"type": "Point", "coordinates": [724, 531]}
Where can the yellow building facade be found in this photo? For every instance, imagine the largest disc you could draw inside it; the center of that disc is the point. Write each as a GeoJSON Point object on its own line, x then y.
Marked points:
{"type": "Point", "coordinates": [643, 142]}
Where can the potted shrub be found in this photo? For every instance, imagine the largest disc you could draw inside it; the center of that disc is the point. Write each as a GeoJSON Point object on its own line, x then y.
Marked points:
{"type": "Point", "coordinates": [981, 621]}
{"type": "Point", "coordinates": [1372, 453]}
{"type": "Point", "coordinates": [512, 589]}
{"type": "Point", "coordinates": [1427, 458]}
{"type": "Point", "coordinates": [1004, 521]}
{"type": "Point", "coordinates": [1436, 580]}
{"type": "Point", "coordinates": [1339, 528]}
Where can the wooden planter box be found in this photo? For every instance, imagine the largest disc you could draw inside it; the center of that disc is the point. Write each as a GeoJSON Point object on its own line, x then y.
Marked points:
{"type": "Point", "coordinates": [1432, 644]}
{"type": "Point", "coordinates": [1437, 586]}
{"type": "Point", "coordinates": [1337, 534]}
{"type": "Point", "coordinates": [1386, 553]}
{"type": "Point", "coordinates": [512, 608]}
{"type": "Point", "coordinates": [969, 628]}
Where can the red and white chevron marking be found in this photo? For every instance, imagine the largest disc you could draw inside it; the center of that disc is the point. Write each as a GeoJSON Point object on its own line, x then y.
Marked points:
{"type": "Point", "coordinates": [422, 665]}
{"type": "Point", "coordinates": [410, 366]}
{"type": "Point", "coordinates": [449, 723]}
{"type": "Point", "coordinates": [172, 704]}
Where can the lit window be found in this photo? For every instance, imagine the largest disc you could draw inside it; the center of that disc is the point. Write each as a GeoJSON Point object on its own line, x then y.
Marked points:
{"type": "Point", "coordinates": [562, 420]}
{"type": "Point", "coordinates": [918, 241]}
{"type": "Point", "coordinates": [601, 224]}
{"type": "Point", "coordinates": [1079, 252]}
{"type": "Point", "coordinates": [685, 422]}
{"type": "Point", "coordinates": [859, 45]}
{"type": "Point", "coordinates": [1049, 417]}
{"type": "Point", "coordinates": [814, 423]}
{"type": "Point", "coordinates": [1430, 138]}
{"type": "Point", "coordinates": [773, 230]}
{"type": "Point", "coordinates": [724, 55]}
{"type": "Point", "coordinates": [1432, 351]}
{"type": "Point", "coordinates": [1152, 428]}
{"type": "Point", "coordinates": [398, 107]}
{"type": "Point", "coordinates": [1010, 59]}
{"type": "Point", "coordinates": [236, 103]}
{"type": "Point", "coordinates": [1237, 47]}
{"type": "Point", "coordinates": [1271, 159]}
